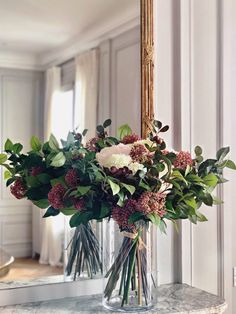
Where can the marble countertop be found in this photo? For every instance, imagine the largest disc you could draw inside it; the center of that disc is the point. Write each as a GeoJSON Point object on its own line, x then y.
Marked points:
{"type": "Point", "coordinates": [173, 299]}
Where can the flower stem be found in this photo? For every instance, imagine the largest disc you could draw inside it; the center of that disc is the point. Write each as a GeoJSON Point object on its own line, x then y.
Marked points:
{"type": "Point", "coordinates": [139, 278]}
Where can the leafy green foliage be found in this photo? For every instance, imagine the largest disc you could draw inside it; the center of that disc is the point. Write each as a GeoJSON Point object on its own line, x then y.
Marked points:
{"type": "Point", "coordinates": [35, 144]}
{"type": "Point", "coordinates": [123, 131]}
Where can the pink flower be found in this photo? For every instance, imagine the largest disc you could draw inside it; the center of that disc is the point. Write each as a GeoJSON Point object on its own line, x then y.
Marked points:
{"type": "Point", "coordinates": [130, 139]}
{"type": "Point", "coordinates": [36, 170]}
{"type": "Point", "coordinates": [183, 159]}
{"type": "Point", "coordinates": [121, 215]}
{"type": "Point", "coordinates": [150, 202]}
{"type": "Point", "coordinates": [72, 178]}
{"type": "Point", "coordinates": [18, 189]}
{"type": "Point", "coordinates": [56, 196]}
{"type": "Point", "coordinates": [107, 153]}
{"type": "Point", "coordinates": [91, 144]}
{"type": "Point", "coordinates": [139, 153]}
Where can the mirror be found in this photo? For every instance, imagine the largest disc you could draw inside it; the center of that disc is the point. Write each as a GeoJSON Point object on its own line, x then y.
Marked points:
{"type": "Point", "coordinates": [64, 64]}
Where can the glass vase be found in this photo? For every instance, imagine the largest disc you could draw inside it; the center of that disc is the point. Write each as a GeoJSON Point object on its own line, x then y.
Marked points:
{"type": "Point", "coordinates": [83, 257]}
{"type": "Point", "coordinates": [130, 272]}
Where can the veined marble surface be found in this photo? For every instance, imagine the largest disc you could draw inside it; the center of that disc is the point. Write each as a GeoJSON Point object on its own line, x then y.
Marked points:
{"type": "Point", "coordinates": [173, 299]}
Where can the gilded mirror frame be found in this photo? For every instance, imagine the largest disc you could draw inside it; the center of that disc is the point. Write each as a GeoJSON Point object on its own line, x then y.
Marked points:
{"type": "Point", "coordinates": [147, 65]}
{"type": "Point", "coordinates": [72, 289]}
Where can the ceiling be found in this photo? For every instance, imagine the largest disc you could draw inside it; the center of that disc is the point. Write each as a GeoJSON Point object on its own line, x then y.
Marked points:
{"type": "Point", "coordinates": [39, 26]}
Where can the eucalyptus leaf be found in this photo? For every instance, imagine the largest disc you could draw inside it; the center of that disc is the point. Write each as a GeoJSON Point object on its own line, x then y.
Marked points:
{"type": "Point", "coordinates": [107, 123]}
{"type": "Point", "coordinates": [198, 151]}
{"type": "Point", "coordinates": [231, 165]}
{"type": "Point", "coordinates": [222, 152]}
{"type": "Point", "coordinates": [129, 188]}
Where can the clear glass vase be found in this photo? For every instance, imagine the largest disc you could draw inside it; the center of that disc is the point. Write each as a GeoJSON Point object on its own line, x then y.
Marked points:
{"type": "Point", "coordinates": [130, 273]}
{"type": "Point", "coordinates": [83, 253]}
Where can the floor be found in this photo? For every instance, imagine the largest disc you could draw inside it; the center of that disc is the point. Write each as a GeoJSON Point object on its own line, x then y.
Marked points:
{"type": "Point", "coordinates": [28, 268]}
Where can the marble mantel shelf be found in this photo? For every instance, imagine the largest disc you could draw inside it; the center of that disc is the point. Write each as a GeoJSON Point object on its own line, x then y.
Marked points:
{"type": "Point", "coordinates": [173, 299]}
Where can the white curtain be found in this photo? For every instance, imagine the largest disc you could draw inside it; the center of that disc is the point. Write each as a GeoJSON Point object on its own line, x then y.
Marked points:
{"type": "Point", "coordinates": [86, 91]}
{"type": "Point", "coordinates": [52, 227]}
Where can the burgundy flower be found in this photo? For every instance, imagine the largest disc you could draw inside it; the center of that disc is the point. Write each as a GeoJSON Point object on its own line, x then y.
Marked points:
{"type": "Point", "coordinates": [91, 144]}
{"type": "Point", "coordinates": [121, 215]}
{"type": "Point", "coordinates": [36, 170]}
{"type": "Point", "coordinates": [150, 202]}
{"type": "Point", "coordinates": [72, 178]}
{"type": "Point", "coordinates": [130, 139]}
{"type": "Point", "coordinates": [56, 196]}
{"type": "Point", "coordinates": [183, 159]}
{"type": "Point", "coordinates": [18, 189]}
{"type": "Point", "coordinates": [79, 204]}
{"type": "Point", "coordinates": [139, 153]}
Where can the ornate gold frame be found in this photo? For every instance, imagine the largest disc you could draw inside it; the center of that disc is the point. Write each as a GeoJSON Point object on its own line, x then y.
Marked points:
{"type": "Point", "coordinates": [147, 65]}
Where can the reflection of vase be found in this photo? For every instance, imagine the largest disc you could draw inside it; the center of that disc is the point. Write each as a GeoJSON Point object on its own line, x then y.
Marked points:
{"type": "Point", "coordinates": [83, 253]}
{"type": "Point", "coordinates": [130, 271]}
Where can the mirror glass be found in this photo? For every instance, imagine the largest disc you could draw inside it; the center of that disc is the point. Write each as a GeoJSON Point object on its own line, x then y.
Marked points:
{"type": "Point", "coordinates": [63, 64]}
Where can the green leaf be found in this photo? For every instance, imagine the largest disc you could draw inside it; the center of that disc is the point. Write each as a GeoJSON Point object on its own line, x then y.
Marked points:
{"type": "Point", "coordinates": [198, 151]}
{"type": "Point", "coordinates": [231, 165]}
{"type": "Point", "coordinates": [43, 178]}
{"type": "Point", "coordinates": [144, 186]}
{"type": "Point", "coordinates": [3, 158]}
{"type": "Point", "coordinates": [53, 143]}
{"type": "Point", "coordinates": [51, 211]}
{"type": "Point", "coordinates": [70, 138]}
{"type": "Point", "coordinates": [176, 174]}
{"type": "Point", "coordinates": [201, 217]}
{"type": "Point", "coordinates": [124, 130]}
{"type": "Point", "coordinates": [191, 202]}
{"type": "Point", "coordinates": [69, 211]}
{"type": "Point", "coordinates": [105, 210]}
{"type": "Point", "coordinates": [114, 187]}
{"type": "Point", "coordinates": [222, 152]}
{"type": "Point", "coordinates": [32, 181]}
{"type": "Point", "coordinates": [135, 217]}
{"type": "Point", "coordinates": [17, 148]}
{"type": "Point", "coordinates": [129, 188]}
{"type": "Point", "coordinates": [85, 131]}
{"type": "Point", "coordinates": [210, 180]}
{"type": "Point", "coordinates": [217, 200]}
{"type": "Point", "coordinates": [194, 178]}
{"type": "Point", "coordinates": [207, 199]}
{"type": "Point", "coordinates": [80, 218]}
{"type": "Point", "coordinates": [8, 145]}
{"type": "Point", "coordinates": [155, 219]}
{"type": "Point", "coordinates": [35, 144]}
{"type": "Point", "coordinates": [59, 160]}
{"type": "Point", "coordinates": [193, 218]}
{"type": "Point", "coordinates": [107, 123]}
{"type": "Point", "coordinates": [7, 174]}
{"type": "Point", "coordinates": [44, 203]}
{"type": "Point", "coordinates": [82, 190]}
{"type": "Point", "coordinates": [57, 181]}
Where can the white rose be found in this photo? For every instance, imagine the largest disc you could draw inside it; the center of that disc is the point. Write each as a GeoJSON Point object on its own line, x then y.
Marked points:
{"type": "Point", "coordinates": [117, 160]}
{"type": "Point", "coordinates": [107, 152]}
{"type": "Point", "coordinates": [135, 166]}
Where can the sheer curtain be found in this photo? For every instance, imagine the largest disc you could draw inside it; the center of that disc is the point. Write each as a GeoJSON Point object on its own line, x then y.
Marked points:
{"type": "Point", "coordinates": [52, 227]}
{"type": "Point", "coordinates": [86, 91]}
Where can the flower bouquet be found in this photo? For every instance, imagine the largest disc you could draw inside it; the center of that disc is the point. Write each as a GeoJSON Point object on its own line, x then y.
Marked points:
{"type": "Point", "coordinates": [137, 183]}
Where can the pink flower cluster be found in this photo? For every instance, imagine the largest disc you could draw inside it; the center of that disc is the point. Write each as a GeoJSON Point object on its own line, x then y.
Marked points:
{"type": "Point", "coordinates": [18, 189]}
{"type": "Point", "coordinates": [72, 178]}
{"type": "Point", "coordinates": [91, 144]}
{"type": "Point", "coordinates": [56, 196]}
{"type": "Point", "coordinates": [130, 139]}
{"type": "Point", "coordinates": [183, 159]}
{"type": "Point", "coordinates": [150, 202]}
{"type": "Point", "coordinates": [121, 215]}
{"type": "Point", "coordinates": [139, 153]}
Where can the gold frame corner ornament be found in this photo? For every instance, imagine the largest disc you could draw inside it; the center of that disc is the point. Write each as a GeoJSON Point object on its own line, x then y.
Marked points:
{"type": "Point", "coordinates": [147, 65]}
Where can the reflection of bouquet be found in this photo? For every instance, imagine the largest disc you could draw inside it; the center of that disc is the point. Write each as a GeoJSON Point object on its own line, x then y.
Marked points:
{"type": "Point", "coordinates": [135, 181]}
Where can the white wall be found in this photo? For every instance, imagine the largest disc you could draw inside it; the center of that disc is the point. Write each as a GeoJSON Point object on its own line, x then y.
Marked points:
{"type": "Point", "coordinates": [195, 93]}
{"type": "Point", "coordinates": [20, 101]}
